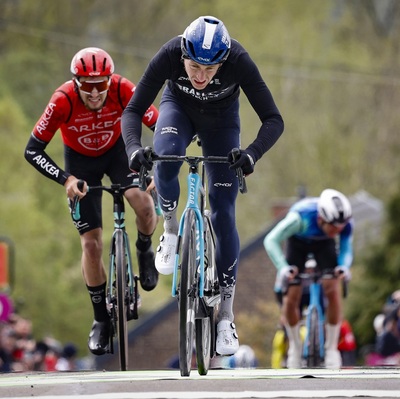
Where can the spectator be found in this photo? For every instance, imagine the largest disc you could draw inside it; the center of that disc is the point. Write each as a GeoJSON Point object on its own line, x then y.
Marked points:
{"type": "Point", "coordinates": [67, 360]}
{"type": "Point", "coordinates": [7, 342]}
{"type": "Point", "coordinates": [347, 344]}
{"type": "Point", "coordinates": [388, 343]}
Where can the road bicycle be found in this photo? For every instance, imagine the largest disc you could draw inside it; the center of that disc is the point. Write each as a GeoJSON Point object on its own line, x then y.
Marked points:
{"type": "Point", "coordinates": [195, 280]}
{"type": "Point", "coordinates": [123, 299]}
{"type": "Point", "coordinates": [314, 342]}
{"type": "Point", "coordinates": [312, 328]}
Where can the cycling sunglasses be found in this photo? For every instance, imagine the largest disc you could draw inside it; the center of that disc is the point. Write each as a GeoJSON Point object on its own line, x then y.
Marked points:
{"type": "Point", "coordinates": [86, 87]}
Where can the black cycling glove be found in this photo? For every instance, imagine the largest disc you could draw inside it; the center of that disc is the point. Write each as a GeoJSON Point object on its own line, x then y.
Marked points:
{"type": "Point", "coordinates": [137, 159]}
{"type": "Point", "coordinates": [243, 160]}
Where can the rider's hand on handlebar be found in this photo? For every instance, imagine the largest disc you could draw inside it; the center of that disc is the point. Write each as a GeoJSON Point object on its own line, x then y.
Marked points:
{"type": "Point", "coordinates": [343, 273]}
{"type": "Point", "coordinates": [243, 160]}
{"type": "Point", "coordinates": [286, 274]}
{"type": "Point", "coordinates": [138, 158]}
{"type": "Point", "coordinates": [72, 188]}
{"type": "Point", "coordinates": [289, 272]}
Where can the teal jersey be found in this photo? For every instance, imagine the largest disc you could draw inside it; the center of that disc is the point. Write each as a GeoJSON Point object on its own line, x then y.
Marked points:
{"type": "Point", "coordinates": [301, 222]}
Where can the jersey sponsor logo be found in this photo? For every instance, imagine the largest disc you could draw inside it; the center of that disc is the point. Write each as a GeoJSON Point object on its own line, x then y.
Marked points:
{"type": "Point", "coordinates": [201, 95]}
{"type": "Point", "coordinates": [169, 129]}
{"type": "Point", "coordinates": [96, 141]}
{"type": "Point", "coordinates": [222, 184]}
{"type": "Point", "coordinates": [46, 165]}
{"type": "Point", "coordinates": [149, 115]}
{"type": "Point", "coordinates": [95, 126]}
{"type": "Point", "coordinates": [44, 120]}
{"type": "Point", "coordinates": [98, 135]}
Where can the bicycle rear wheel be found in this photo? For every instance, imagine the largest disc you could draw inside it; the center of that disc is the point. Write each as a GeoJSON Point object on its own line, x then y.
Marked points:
{"type": "Point", "coordinates": [187, 293]}
{"type": "Point", "coordinates": [205, 326]}
{"type": "Point", "coordinates": [313, 342]}
{"type": "Point", "coordinates": [121, 277]}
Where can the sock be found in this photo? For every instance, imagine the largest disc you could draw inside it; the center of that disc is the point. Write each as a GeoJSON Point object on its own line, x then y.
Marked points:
{"type": "Point", "coordinates": [98, 299]}
{"type": "Point", "coordinates": [293, 333]}
{"type": "Point", "coordinates": [143, 242]}
{"type": "Point", "coordinates": [226, 305]}
{"type": "Point", "coordinates": [332, 336]}
{"type": "Point", "coordinates": [171, 222]}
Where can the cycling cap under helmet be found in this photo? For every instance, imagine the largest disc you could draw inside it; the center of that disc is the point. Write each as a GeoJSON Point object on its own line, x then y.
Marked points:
{"type": "Point", "coordinates": [92, 61]}
{"type": "Point", "coordinates": [206, 41]}
{"type": "Point", "coordinates": [334, 207]}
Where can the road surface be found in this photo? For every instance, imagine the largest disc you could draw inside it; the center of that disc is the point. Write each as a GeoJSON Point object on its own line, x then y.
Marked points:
{"type": "Point", "coordinates": [230, 383]}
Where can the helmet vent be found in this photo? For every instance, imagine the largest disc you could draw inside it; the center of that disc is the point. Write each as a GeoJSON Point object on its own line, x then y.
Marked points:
{"type": "Point", "coordinates": [94, 62]}
{"type": "Point", "coordinates": [192, 50]}
{"type": "Point", "coordinates": [218, 55]}
{"type": "Point", "coordinates": [83, 64]}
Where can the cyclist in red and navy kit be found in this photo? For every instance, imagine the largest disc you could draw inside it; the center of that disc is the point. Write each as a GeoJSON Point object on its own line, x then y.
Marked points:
{"type": "Point", "coordinates": [87, 110]}
{"type": "Point", "coordinates": [206, 71]}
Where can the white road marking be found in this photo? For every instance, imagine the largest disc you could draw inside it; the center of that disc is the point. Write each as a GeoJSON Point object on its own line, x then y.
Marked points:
{"type": "Point", "coordinates": [232, 395]}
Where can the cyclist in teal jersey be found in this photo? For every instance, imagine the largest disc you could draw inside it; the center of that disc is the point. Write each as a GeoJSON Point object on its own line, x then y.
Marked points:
{"type": "Point", "coordinates": [323, 227]}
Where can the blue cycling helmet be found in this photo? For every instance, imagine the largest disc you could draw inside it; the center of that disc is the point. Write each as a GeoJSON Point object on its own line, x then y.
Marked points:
{"type": "Point", "coordinates": [206, 41]}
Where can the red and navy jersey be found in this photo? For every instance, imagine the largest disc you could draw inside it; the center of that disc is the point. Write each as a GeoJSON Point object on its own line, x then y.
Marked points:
{"type": "Point", "coordinates": [91, 133]}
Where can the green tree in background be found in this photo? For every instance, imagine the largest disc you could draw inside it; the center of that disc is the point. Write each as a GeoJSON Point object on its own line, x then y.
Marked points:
{"type": "Point", "coordinates": [377, 276]}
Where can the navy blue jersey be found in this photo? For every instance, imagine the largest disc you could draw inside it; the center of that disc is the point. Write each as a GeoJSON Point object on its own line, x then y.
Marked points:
{"type": "Point", "coordinates": [238, 72]}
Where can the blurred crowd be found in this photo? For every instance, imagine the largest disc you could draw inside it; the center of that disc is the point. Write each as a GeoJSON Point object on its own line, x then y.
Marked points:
{"type": "Point", "coordinates": [20, 352]}
{"type": "Point", "coordinates": [386, 351]}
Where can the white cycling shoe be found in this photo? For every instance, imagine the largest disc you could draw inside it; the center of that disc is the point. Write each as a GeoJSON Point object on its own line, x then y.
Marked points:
{"type": "Point", "coordinates": [227, 338]}
{"type": "Point", "coordinates": [165, 254]}
{"type": "Point", "coordinates": [333, 359]}
{"type": "Point", "coordinates": [294, 358]}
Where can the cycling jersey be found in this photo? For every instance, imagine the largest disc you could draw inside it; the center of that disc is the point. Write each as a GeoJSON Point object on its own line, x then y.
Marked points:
{"type": "Point", "coordinates": [90, 133]}
{"type": "Point", "coordinates": [301, 224]}
{"type": "Point", "coordinates": [213, 114]}
{"type": "Point", "coordinates": [238, 71]}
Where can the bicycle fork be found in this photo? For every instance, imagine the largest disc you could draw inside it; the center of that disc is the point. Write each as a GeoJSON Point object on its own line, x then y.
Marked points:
{"type": "Point", "coordinates": [314, 307]}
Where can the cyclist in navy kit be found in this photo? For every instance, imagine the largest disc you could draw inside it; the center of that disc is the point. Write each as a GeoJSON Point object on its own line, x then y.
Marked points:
{"type": "Point", "coordinates": [312, 225]}
{"type": "Point", "coordinates": [205, 71]}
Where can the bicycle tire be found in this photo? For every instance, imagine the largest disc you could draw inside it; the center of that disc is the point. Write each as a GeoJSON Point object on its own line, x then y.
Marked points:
{"type": "Point", "coordinates": [122, 325]}
{"type": "Point", "coordinates": [187, 294]}
{"type": "Point", "coordinates": [313, 358]}
{"type": "Point", "coordinates": [205, 327]}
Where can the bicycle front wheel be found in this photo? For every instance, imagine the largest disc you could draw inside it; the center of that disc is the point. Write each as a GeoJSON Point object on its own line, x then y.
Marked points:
{"type": "Point", "coordinates": [121, 280]}
{"type": "Point", "coordinates": [187, 293]}
{"type": "Point", "coordinates": [205, 326]}
{"type": "Point", "coordinates": [314, 358]}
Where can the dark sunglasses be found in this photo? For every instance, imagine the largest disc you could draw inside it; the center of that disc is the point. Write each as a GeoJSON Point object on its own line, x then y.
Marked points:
{"type": "Point", "coordinates": [87, 87]}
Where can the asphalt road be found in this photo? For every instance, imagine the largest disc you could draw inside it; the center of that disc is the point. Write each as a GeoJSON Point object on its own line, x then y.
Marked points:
{"type": "Point", "coordinates": [232, 383]}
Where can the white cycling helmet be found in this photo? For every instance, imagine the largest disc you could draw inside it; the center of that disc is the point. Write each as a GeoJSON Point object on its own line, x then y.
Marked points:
{"type": "Point", "coordinates": [334, 207]}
